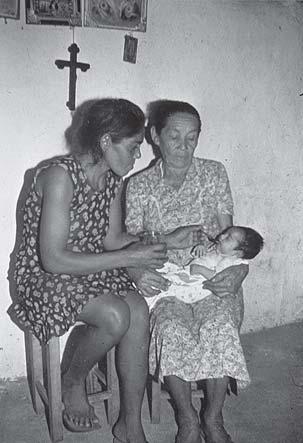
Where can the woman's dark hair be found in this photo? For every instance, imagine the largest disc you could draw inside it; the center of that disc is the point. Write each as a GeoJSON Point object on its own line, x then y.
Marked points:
{"type": "Point", "coordinates": [252, 243]}
{"type": "Point", "coordinates": [92, 119]}
{"type": "Point", "coordinates": [159, 111]}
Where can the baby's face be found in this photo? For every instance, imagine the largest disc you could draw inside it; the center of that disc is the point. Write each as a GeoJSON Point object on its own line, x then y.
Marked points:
{"type": "Point", "coordinates": [230, 240]}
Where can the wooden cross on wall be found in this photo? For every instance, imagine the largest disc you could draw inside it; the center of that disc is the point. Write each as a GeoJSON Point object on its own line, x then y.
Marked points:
{"type": "Point", "coordinates": [72, 64]}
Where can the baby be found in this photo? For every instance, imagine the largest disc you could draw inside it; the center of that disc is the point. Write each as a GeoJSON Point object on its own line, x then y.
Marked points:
{"type": "Point", "coordinates": [233, 246]}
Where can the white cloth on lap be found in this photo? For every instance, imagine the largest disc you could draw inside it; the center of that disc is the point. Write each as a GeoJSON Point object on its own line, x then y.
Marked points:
{"type": "Point", "coordinates": [186, 287]}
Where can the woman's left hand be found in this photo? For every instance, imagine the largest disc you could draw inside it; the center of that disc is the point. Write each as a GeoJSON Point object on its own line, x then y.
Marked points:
{"type": "Point", "coordinates": [228, 281]}
{"type": "Point", "coordinates": [183, 237]}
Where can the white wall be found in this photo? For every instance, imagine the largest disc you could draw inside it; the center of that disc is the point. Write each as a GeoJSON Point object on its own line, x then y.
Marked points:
{"type": "Point", "coordinates": [239, 62]}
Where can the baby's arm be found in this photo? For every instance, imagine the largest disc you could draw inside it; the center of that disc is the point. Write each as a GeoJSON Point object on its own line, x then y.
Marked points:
{"type": "Point", "coordinates": [195, 269]}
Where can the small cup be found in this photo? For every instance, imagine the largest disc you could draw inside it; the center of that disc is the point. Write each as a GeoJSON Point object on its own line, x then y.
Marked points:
{"type": "Point", "coordinates": [150, 237]}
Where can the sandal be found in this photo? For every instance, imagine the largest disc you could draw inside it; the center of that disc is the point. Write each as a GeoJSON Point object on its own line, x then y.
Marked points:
{"type": "Point", "coordinates": [71, 426]}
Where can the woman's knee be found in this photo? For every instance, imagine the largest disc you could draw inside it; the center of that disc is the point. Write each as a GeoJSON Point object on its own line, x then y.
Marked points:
{"type": "Point", "coordinates": [118, 318]}
{"type": "Point", "coordinates": [111, 314]}
{"type": "Point", "coordinates": [139, 313]}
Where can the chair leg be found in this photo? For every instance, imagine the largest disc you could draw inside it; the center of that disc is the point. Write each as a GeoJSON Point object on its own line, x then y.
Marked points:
{"type": "Point", "coordinates": [33, 368]}
{"type": "Point", "coordinates": [53, 376]}
{"type": "Point", "coordinates": [155, 403]}
{"type": "Point", "coordinates": [109, 404]}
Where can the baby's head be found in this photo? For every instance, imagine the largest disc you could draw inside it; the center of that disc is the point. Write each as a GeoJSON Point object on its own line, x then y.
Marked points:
{"type": "Point", "coordinates": [239, 241]}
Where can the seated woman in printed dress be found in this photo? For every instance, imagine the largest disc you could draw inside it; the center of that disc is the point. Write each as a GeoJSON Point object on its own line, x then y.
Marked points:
{"type": "Point", "coordinates": [70, 263]}
{"type": "Point", "coordinates": [200, 340]}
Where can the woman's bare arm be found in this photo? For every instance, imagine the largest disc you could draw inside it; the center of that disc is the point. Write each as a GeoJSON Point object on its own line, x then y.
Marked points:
{"type": "Point", "coordinates": [115, 238]}
{"type": "Point", "coordinates": [228, 281]}
{"type": "Point", "coordinates": [224, 220]}
{"type": "Point", "coordinates": [56, 189]}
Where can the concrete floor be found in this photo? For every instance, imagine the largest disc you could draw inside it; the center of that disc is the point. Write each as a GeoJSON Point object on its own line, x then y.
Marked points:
{"type": "Point", "coordinates": [269, 411]}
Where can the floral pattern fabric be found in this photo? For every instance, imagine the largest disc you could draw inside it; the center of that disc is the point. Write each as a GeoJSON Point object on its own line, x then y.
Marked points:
{"type": "Point", "coordinates": [49, 303]}
{"type": "Point", "coordinates": [200, 340]}
{"type": "Point", "coordinates": [153, 205]}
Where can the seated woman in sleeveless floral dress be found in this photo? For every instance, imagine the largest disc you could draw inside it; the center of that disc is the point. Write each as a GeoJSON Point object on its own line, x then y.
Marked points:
{"type": "Point", "coordinates": [70, 265]}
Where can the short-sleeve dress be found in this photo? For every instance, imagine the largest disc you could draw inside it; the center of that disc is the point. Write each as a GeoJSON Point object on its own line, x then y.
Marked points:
{"type": "Point", "coordinates": [199, 340]}
{"type": "Point", "coordinates": [49, 303]}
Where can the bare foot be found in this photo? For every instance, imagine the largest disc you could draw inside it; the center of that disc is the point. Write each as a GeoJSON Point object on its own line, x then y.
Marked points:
{"type": "Point", "coordinates": [189, 430]}
{"type": "Point", "coordinates": [215, 432]}
{"type": "Point", "coordinates": [130, 432]}
{"type": "Point", "coordinates": [78, 415]}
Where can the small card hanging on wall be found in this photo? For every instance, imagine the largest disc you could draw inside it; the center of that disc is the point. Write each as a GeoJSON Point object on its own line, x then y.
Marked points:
{"type": "Point", "coordinates": [130, 49]}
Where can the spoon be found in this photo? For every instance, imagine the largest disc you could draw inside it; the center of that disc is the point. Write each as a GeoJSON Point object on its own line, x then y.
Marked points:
{"type": "Point", "coordinates": [209, 237]}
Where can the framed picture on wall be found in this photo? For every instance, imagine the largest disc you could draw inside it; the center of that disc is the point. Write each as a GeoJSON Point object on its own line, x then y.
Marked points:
{"type": "Point", "coordinates": [53, 12]}
{"type": "Point", "coordinates": [10, 8]}
{"type": "Point", "coordinates": [116, 14]}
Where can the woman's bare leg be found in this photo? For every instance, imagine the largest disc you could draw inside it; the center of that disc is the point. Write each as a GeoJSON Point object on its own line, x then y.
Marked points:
{"type": "Point", "coordinates": [187, 418]}
{"type": "Point", "coordinates": [132, 365]}
{"type": "Point", "coordinates": [71, 346]}
{"type": "Point", "coordinates": [216, 389]}
{"type": "Point", "coordinates": [107, 318]}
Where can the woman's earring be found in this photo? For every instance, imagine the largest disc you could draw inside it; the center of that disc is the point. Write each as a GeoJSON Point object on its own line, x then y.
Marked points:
{"type": "Point", "coordinates": [105, 142]}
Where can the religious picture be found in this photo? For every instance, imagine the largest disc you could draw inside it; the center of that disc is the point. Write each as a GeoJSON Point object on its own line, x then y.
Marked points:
{"type": "Point", "coordinates": [53, 12]}
{"type": "Point", "coordinates": [116, 14]}
{"type": "Point", "coordinates": [9, 8]}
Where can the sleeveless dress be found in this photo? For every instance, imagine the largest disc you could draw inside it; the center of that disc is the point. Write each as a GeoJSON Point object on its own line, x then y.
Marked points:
{"type": "Point", "coordinates": [49, 303]}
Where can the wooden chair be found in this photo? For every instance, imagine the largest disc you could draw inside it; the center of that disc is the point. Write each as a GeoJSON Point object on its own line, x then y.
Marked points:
{"type": "Point", "coordinates": [156, 391]}
{"type": "Point", "coordinates": [44, 380]}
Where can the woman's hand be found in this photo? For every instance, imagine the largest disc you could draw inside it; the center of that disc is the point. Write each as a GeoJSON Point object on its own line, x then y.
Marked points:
{"type": "Point", "coordinates": [149, 282]}
{"type": "Point", "coordinates": [228, 281]}
{"type": "Point", "coordinates": [199, 251]}
{"type": "Point", "coordinates": [183, 237]}
{"type": "Point", "coordinates": [152, 256]}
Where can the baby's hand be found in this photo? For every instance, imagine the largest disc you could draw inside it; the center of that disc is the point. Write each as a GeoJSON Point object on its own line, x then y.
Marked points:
{"type": "Point", "coordinates": [198, 251]}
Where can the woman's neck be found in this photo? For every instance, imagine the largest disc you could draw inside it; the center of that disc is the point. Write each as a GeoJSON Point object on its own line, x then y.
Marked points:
{"type": "Point", "coordinates": [95, 172]}
{"type": "Point", "coordinates": [174, 176]}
